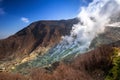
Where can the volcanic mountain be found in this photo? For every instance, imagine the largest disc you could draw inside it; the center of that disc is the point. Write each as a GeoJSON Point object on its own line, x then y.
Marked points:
{"type": "Point", "coordinates": [40, 36]}
{"type": "Point", "coordinates": [36, 36]}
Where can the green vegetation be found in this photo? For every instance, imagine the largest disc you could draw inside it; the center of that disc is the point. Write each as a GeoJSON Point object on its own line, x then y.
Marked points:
{"type": "Point", "coordinates": [114, 72]}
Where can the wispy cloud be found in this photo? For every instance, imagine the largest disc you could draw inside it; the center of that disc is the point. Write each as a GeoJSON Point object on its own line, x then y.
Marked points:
{"type": "Point", "coordinates": [2, 11]}
{"type": "Point", "coordinates": [1, 0]}
{"type": "Point", "coordinates": [24, 19]}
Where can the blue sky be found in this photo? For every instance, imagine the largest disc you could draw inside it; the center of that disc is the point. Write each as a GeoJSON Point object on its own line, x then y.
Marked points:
{"type": "Point", "coordinates": [17, 14]}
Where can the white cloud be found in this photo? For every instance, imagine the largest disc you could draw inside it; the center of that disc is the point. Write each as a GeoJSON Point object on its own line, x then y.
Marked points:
{"type": "Point", "coordinates": [2, 11]}
{"type": "Point", "coordinates": [24, 19]}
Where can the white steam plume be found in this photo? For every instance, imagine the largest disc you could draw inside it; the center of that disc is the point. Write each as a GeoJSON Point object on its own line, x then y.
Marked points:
{"type": "Point", "coordinates": [93, 20]}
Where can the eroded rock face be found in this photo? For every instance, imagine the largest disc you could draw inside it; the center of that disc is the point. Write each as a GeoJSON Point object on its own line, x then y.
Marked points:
{"type": "Point", "coordinates": [111, 34]}
{"type": "Point", "coordinates": [36, 35]}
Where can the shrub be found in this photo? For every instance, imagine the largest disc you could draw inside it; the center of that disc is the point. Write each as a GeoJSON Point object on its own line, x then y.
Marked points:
{"type": "Point", "coordinates": [114, 72]}
{"type": "Point", "coordinates": [62, 72]}
{"type": "Point", "coordinates": [98, 58]}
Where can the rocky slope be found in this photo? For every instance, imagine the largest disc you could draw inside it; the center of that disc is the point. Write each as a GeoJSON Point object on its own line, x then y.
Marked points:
{"type": "Point", "coordinates": [111, 34]}
{"type": "Point", "coordinates": [100, 64]}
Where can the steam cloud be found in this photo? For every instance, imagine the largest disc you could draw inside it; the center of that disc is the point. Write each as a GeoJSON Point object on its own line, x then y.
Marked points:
{"type": "Point", "coordinates": [93, 20]}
